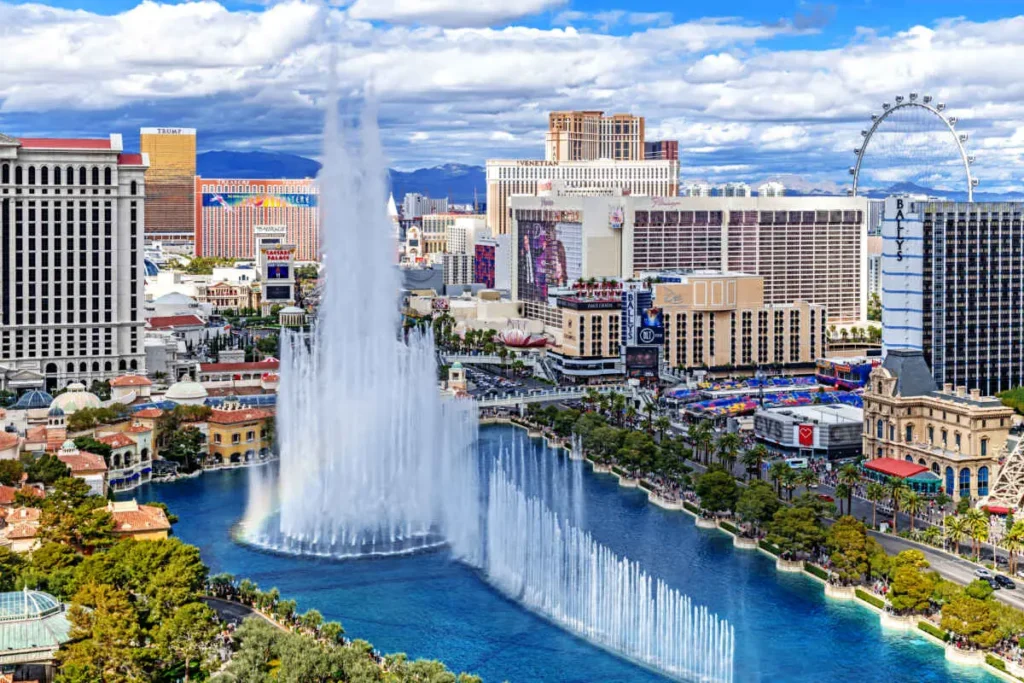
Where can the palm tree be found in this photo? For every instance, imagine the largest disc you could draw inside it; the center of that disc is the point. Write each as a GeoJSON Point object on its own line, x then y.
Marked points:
{"type": "Point", "coordinates": [957, 528]}
{"type": "Point", "coordinates": [728, 447]}
{"type": "Point", "coordinates": [874, 492]}
{"type": "Point", "coordinates": [661, 425]}
{"type": "Point", "coordinates": [649, 411]}
{"type": "Point", "coordinates": [701, 437]}
{"type": "Point", "coordinates": [753, 458]}
{"type": "Point", "coordinates": [777, 473]}
{"type": "Point", "coordinates": [789, 482]}
{"type": "Point", "coordinates": [591, 399]}
{"type": "Point", "coordinates": [1013, 541]}
{"type": "Point", "coordinates": [807, 478]}
{"type": "Point", "coordinates": [977, 529]}
{"type": "Point", "coordinates": [617, 405]}
{"type": "Point", "coordinates": [842, 490]}
{"type": "Point", "coordinates": [849, 475]}
{"type": "Point", "coordinates": [912, 503]}
{"type": "Point", "coordinates": [895, 490]}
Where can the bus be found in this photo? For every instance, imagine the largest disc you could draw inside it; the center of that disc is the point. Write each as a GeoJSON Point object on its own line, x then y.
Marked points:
{"type": "Point", "coordinates": [798, 463]}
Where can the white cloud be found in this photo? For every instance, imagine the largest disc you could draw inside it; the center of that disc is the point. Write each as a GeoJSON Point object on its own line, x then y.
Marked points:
{"type": "Point", "coordinates": [419, 136]}
{"type": "Point", "coordinates": [714, 68]}
{"type": "Point", "coordinates": [449, 12]}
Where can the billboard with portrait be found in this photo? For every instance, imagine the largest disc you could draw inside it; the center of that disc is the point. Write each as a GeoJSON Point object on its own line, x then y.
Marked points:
{"type": "Point", "coordinates": [277, 271]}
{"type": "Point", "coordinates": [641, 362]}
{"type": "Point", "coordinates": [651, 331]}
{"type": "Point", "coordinates": [549, 251]}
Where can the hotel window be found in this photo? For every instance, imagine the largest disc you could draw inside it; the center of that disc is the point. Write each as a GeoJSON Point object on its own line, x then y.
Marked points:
{"type": "Point", "coordinates": [909, 433]}
{"type": "Point", "coordinates": [984, 450]}
{"type": "Point", "coordinates": [250, 436]}
{"type": "Point", "coordinates": [216, 438]}
{"type": "Point", "coordinates": [236, 438]}
{"type": "Point", "coordinates": [880, 429]}
{"type": "Point", "coordinates": [956, 440]}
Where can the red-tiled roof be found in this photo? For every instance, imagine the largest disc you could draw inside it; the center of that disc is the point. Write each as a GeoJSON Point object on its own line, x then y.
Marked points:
{"type": "Point", "coordinates": [118, 440]}
{"type": "Point", "coordinates": [895, 468]}
{"type": "Point", "coordinates": [229, 417]}
{"type": "Point", "coordinates": [130, 381]}
{"type": "Point", "coordinates": [149, 413]}
{"type": "Point", "coordinates": [236, 391]}
{"type": "Point", "coordinates": [65, 143]}
{"type": "Point", "coordinates": [140, 429]}
{"type": "Point", "coordinates": [169, 321]}
{"type": "Point", "coordinates": [7, 493]}
{"type": "Point", "coordinates": [129, 159]}
{"type": "Point", "coordinates": [142, 518]}
{"type": "Point", "coordinates": [21, 531]}
{"type": "Point", "coordinates": [8, 440]}
{"type": "Point", "coordinates": [240, 367]}
{"type": "Point", "coordinates": [84, 462]}
{"type": "Point", "coordinates": [23, 514]}
{"type": "Point", "coordinates": [36, 434]}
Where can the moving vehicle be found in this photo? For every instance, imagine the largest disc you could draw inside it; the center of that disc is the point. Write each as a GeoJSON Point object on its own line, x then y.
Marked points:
{"type": "Point", "coordinates": [983, 573]}
{"type": "Point", "coordinates": [1005, 581]}
{"type": "Point", "coordinates": [798, 463]}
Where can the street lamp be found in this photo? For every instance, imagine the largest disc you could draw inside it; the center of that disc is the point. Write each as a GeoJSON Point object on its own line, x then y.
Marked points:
{"type": "Point", "coordinates": [760, 376]}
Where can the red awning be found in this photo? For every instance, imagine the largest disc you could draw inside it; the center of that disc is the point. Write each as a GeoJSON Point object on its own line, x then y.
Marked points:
{"type": "Point", "coordinates": [891, 467]}
{"type": "Point", "coordinates": [998, 509]}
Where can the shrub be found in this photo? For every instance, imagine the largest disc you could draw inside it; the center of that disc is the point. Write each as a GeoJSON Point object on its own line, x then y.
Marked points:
{"type": "Point", "coordinates": [692, 508]}
{"type": "Point", "coordinates": [765, 545]}
{"type": "Point", "coordinates": [870, 599]}
{"type": "Point", "coordinates": [730, 528]}
{"type": "Point", "coordinates": [933, 630]}
{"type": "Point", "coordinates": [994, 661]}
{"type": "Point", "coordinates": [619, 471]}
{"type": "Point", "coordinates": [645, 485]}
{"type": "Point", "coordinates": [816, 570]}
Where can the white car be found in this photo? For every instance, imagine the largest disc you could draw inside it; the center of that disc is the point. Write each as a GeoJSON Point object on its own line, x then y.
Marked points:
{"type": "Point", "coordinates": [983, 573]}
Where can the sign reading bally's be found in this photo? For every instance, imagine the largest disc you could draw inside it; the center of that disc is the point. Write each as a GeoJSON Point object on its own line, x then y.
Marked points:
{"type": "Point", "coordinates": [902, 274]}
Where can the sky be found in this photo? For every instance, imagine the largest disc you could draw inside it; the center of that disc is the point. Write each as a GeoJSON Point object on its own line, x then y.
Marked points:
{"type": "Point", "coordinates": [751, 90]}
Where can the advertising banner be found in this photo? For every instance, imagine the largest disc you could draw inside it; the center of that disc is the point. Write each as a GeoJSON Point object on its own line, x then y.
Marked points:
{"type": "Point", "coordinates": [278, 254]}
{"type": "Point", "coordinates": [483, 265]}
{"type": "Point", "coordinates": [616, 217]}
{"type": "Point", "coordinates": [259, 200]}
{"type": "Point", "coordinates": [278, 293]}
{"type": "Point", "coordinates": [641, 362]}
{"type": "Point", "coordinates": [548, 255]}
{"type": "Point", "coordinates": [277, 271]}
{"type": "Point", "coordinates": [806, 435]}
{"type": "Point", "coordinates": [652, 327]}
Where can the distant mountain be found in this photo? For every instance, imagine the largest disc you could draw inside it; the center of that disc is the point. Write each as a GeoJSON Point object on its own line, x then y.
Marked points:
{"type": "Point", "coordinates": [455, 181]}
{"type": "Point", "coordinates": [802, 188]}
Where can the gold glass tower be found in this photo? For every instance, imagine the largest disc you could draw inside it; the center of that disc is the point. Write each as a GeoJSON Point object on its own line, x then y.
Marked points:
{"type": "Point", "coordinates": [170, 182]}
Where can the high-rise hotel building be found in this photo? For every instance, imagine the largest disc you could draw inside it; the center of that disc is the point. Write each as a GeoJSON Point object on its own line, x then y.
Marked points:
{"type": "Point", "coordinates": [230, 212]}
{"type": "Point", "coordinates": [170, 205]}
{"type": "Point", "coordinates": [953, 289]}
{"type": "Point", "coordinates": [590, 135]}
{"type": "Point", "coordinates": [72, 220]}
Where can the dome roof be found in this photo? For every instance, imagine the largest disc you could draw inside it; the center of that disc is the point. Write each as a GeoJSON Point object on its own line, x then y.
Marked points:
{"type": "Point", "coordinates": [291, 309]}
{"type": "Point", "coordinates": [76, 398]}
{"type": "Point", "coordinates": [185, 391]}
{"type": "Point", "coordinates": [56, 411]}
{"type": "Point", "coordinates": [21, 605]}
{"type": "Point", "coordinates": [69, 445]}
{"type": "Point", "coordinates": [33, 400]}
{"type": "Point", "coordinates": [456, 365]}
{"type": "Point", "coordinates": [174, 298]}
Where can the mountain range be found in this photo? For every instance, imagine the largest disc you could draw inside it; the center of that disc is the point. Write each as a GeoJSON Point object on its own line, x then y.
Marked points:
{"type": "Point", "coordinates": [459, 182]}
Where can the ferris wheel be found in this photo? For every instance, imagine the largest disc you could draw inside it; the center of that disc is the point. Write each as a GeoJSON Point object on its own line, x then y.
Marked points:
{"type": "Point", "coordinates": [914, 140]}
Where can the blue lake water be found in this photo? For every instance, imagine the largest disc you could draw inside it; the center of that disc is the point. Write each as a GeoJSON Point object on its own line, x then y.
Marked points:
{"type": "Point", "coordinates": [429, 606]}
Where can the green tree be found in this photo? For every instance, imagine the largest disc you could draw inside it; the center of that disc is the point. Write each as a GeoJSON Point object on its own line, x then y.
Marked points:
{"type": "Point", "coordinates": [979, 590]}
{"type": "Point", "coordinates": [10, 472]}
{"type": "Point", "coordinates": [957, 529]}
{"type": "Point", "coordinates": [702, 437]}
{"type": "Point", "coordinates": [728, 447]}
{"type": "Point", "coordinates": [847, 542]}
{"type": "Point", "coordinates": [757, 504]}
{"type": "Point", "coordinates": [105, 635]}
{"type": "Point", "coordinates": [972, 619]}
{"type": "Point", "coordinates": [912, 557]}
{"type": "Point", "coordinates": [977, 529]}
{"type": "Point", "coordinates": [911, 590]}
{"type": "Point", "coordinates": [71, 515]}
{"type": "Point", "coordinates": [874, 492]}
{"type": "Point", "coordinates": [718, 491]}
{"type": "Point", "coordinates": [91, 445]}
{"type": "Point", "coordinates": [754, 458]}
{"type": "Point", "coordinates": [46, 469]}
{"type": "Point", "coordinates": [10, 566]}
{"type": "Point", "coordinates": [913, 504]}
{"type": "Point", "coordinates": [895, 490]}
{"type": "Point", "coordinates": [188, 636]}
{"type": "Point", "coordinates": [778, 473]}
{"type": "Point", "coordinates": [796, 530]}
{"type": "Point", "coordinates": [185, 447]}
{"type": "Point", "coordinates": [849, 475]}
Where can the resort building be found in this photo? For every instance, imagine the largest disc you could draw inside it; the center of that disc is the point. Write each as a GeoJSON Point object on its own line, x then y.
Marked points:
{"type": "Point", "coordinates": [88, 467]}
{"type": "Point", "coordinates": [170, 201]}
{"type": "Point", "coordinates": [229, 296]}
{"type": "Point", "coordinates": [591, 335]}
{"type": "Point", "coordinates": [959, 435]}
{"type": "Point", "coordinates": [721, 320]}
{"type": "Point", "coordinates": [19, 528]}
{"type": "Point", "coordinates": [138, 522]}
{"type": "Point", "coordinates": [415, 205]}
{"type": "Point", "coordinates": [590, 135]}
{"type": "Point", "coordinates": [919, 478]}
{"type": "Point", "coordinates": [131, 457]}
{"type": "Point", "coordinates": [821, 431]}
{"type": "Point", "coordinates": [72, 219]}
{"type": "Point", "coordinates": [230, 214]}
{"type": "Point", "coordinates": [242, 374]}
{"type": "Point", "coordinates": [127, 388]}
{"type": "Point", "coordinates": [33, 626]}
{"type": "Point", "coordinates": [239, 434]}
{"type": "Point", "coordinates": [809, 249]}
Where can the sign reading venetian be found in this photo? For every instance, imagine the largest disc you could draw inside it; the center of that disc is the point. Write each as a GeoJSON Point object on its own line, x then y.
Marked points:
{"type": "Point", "coordinates": [899, 229]}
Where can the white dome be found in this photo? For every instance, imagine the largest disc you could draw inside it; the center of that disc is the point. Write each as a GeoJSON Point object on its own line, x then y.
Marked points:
{"type": "Point", "coordinates": [291, 309]}
{"type": "Point", "coordinates": [76, 398]}
{"type": "Point", "coordinates": [174, 298]}
{"type": "Point", "coordinates": [185, 391]}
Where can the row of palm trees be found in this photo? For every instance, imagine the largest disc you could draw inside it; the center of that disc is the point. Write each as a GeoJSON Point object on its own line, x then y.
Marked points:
{"type": "Point", "coordinates": [616, 406]}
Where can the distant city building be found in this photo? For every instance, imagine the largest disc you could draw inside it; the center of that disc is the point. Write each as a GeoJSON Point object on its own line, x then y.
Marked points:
{"type": "Point", "coordinates": [232, 214]}
{"type": "Point", "coordinates": [661, 149]}
{"type": "Point", "coordinates": [875, 264]}
{"type": "Point", "coordinates": [590, 135]}
{"type": "Point", "coordinates": [821, 431]}
{"type": "Point", "coordinates": [696, 190]}
{"type": "Point", "coordinates": [415, 205]}
{"type": "Point", "coordinates": [458, 268]}
{"type": "Point", "coordinates": [435, 231]}
{"type": "Point", "coordinates": [876, 211]}
{"type": "Point", "coordinates": [734, 190]}
{"type": "Point", "coordinates": [71, 267]}
{"type": "Point", "coordinates": [771, 189]}
{"type": "Point", "coordinates": [170, 189]}
{"type": "Point", "coordinates": [591, 332]}
{"type": "Point", "coordinates": [509, 177]}
{"type": "Point", "coordinates": [464, 232]}
{"type": "Point", "coordinates": [718, 320]}
{"type": "Point", "coordinates": [493, 262]}
{"type": "Point", "coordinates": [805, 248]}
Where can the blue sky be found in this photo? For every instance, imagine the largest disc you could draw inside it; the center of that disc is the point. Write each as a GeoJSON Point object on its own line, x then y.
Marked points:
{"type": "Point", "coordinates": [752, 90]}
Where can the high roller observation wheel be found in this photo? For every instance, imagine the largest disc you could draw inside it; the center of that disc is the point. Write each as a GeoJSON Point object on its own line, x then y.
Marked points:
{"type": "Point", "coordinates": [936, 110]}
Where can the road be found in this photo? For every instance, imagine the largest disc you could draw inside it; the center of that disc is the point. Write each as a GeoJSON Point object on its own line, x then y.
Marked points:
{"type": "Point", "coordinates": [233, 612]}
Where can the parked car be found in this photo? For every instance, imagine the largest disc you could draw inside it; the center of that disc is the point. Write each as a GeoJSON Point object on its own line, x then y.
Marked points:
{"type": "Point", "coordinates": [992, 582]}
{"type": "Point", "coordinates": [1005, 581]}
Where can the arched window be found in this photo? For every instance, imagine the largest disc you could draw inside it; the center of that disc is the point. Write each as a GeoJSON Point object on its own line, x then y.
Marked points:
{"type": "Point", "coordinates": [56, 175]}
{"type": "Point", "coordinates": [121, 365]}
{"type": "Point", "coordinates": [965, 483]}
{"type": "Point", "coordinates": [44, 175]}
{"type": "Point", "coordinates": [5, 174]}
{"type": "Point", "coordinates": [983, 481]}
{"type": "Point", "coordinates": [892, 432]}
{"type": "Point", "coordinates": [82, 173]}
{"type": "Point", "coordinates": [18, 177]}
{"type": "Point", "coordinates": [922, 462]}
{"type": "Point", "coordinates": [880, 429]}
{"type": "Point", "coordinates": [984, 450]}
{"type": "Point", "coordinates": [82, 367]}
{"type": "Point", "coordinates": [134, 365]}
{"type": "Point", "coordinates": [107, 177]}
{"type": "Point", "coordinates": [31, 175]}
{"type": "Point", "coordinates": [909, 458]}
{"type": "Point", "coordinates": [51, 368]}
{"type": "Point", "coordinates": [71, 175]}
{"type": "Point", "coordinates": [71, 367]}
{"type": "Point", "coordinates": [95, 366]}
{"type": "Point", "coordinates": [879, 451]}
{"type": "Point", "coordinates": [909, 433]}
{"type": "Point", "coordinates": [95, 175]}
{"type": "Point", "coordinates": [950, 488]}
{"type": "Point", "coordinates": [107, 366]}
{"type": "Point", "coordinates": [935, 468]}
{"type": "Point", "coordinates": [134, 187]}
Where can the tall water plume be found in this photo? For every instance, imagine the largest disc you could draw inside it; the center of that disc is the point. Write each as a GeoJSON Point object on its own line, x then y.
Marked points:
{"type": "Point", "coordinates": [373, 461]}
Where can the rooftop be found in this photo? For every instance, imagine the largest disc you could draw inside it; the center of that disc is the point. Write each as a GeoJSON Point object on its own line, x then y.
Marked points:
{"type": "Point", "coordinates": [130, 381]}
{"type": "Point", "coordinates": [7, 493]}
{"type": "Point", "coordinates": [831, 414]}
{"type": "Point", "coordinates": [83, 462]}
{"type": "Point", "coordinates": [130, 517]}
{"type": "Point", "coordinates": [268, 364]}
{"type": "Point", "coordinates": [117, 440]}
{"type": "Point", "coordinates": [172, 321]}
{"type": "Point", "coordinates": [65, 143]}
{"type": "Point", "coordinates": [895, 468]}
{"type": "Point", "coordinates": [227, 417]}
{"type": "Point", "coordinates": [149, 413]}
{"type": "Point", "coordinates": [31, 621]}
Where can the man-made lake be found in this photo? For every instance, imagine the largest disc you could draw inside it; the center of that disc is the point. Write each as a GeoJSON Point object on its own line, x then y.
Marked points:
{"type": "Point", "coordinates": [429, 606]}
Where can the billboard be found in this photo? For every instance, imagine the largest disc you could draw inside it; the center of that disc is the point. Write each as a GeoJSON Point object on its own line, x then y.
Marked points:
{"type": "Point", "coordinates": [278, 293]}
{"type": "Point", "coordinates": [483, 264]}
{"type": "Point", "coordinates": [634, 303]}
{"type": "Point", "coordinates": [257, 200]}
{"type": "Point", "coordinates": [616, 217]}
{"type": "Point", "coordinates": [277, 271]}
{"type": "Point", "coordinates": [641, 362]}
{"type": "Point", "coordinates": [549, 252]}
{"type": "Point", "coordinates": [278, 254]}
{"type": "Point", "coordinates": [652, 327]}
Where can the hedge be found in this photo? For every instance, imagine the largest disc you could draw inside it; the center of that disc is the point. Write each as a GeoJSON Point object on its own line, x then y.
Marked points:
{"type": "Point", "coordinates": [619, 471]}
{"type": "Point", "coordinates": [933, 630]}
{"type": "Point", "coordinates": [992, 660]}
{"type": "Point", "coordinates": [692, 508]}
{"type": "Point", "coordinates": [765, 545]}
{"type": "Point", "coordinates": [645, 485]}
{"type": "Point", "coordinates": [870, 599]}
{"type": "Point", "coordinates": [730, 528]}
{"type": "Point", "coordinates": [816, 570]}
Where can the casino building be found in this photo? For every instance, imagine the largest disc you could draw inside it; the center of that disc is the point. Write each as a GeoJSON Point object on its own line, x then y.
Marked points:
{"type": "Point", "coordinates": [230, 212]}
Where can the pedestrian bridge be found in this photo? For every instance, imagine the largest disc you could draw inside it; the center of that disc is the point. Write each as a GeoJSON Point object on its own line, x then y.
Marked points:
{"type": "Point", "coordinates": [547, 396]}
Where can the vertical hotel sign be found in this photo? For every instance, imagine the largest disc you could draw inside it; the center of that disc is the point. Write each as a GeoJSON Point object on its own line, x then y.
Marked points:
{"type": "Point", "coordinates": [902, 275]}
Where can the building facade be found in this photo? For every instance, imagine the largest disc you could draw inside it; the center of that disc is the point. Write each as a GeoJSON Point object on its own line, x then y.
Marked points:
{"type": "Point", "coordinates": [434, 231]}
{"type": "Point", "coordinates": [464, 232]}
{"type": "Point", "coordinates": [825, 431]}
{"type": "Point", "coordinates": [415, 205]}
{"type": "Point", "coordinates": [661, 149]}
{"type": "Point", "coordinates": [170, 196]}
{"type": "Point", "coordinates": [958, 434]}
{"type": "Point", "coordinates": [72, 222]}
{"type": "Point", "coordinates": [230, 215]}
{"type": "Point", "coordinates": [458, 269]}
{"type": "Point", "coordinates": [590, 135]}
{"type": "Point", "coordinates": [720, 320]}
{"type": "Point", "coordinates": [238, 433]}
{"type": "Point", "coordinates": [508, 177]}
{"type": "Point", "coordinates": [591, 336]}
